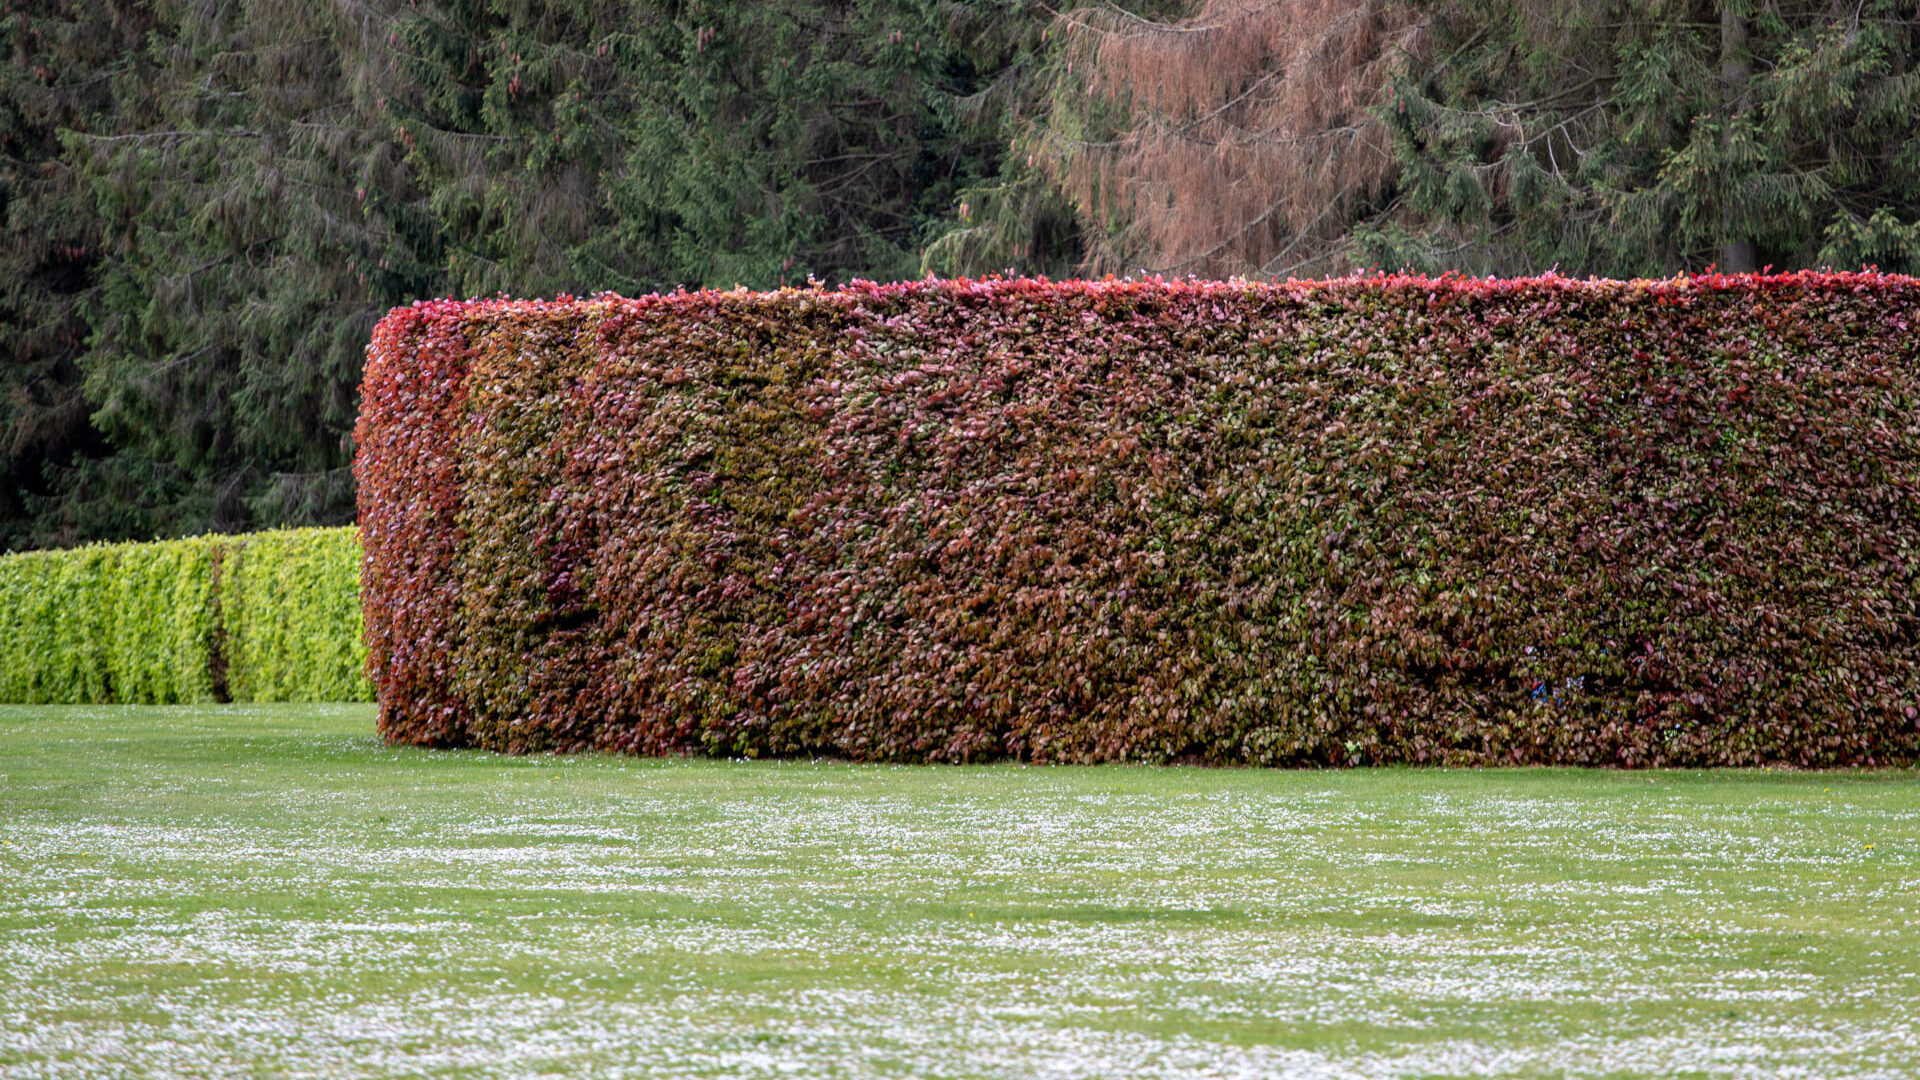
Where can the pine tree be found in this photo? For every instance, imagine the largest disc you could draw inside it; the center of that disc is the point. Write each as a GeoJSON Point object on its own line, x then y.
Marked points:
{"type": "Point", "coordinates": [70, 62]}
{"type": "Point", "coordinates": [252, 227]}
{"type": "Point", "coordinates": [587, 146]}
{"type": "Point", "coordinates": [1615, 137]}
{"type": "Point", "coordinates": [1007, 215]}
{"type": "Point", "coordinates": [1642, 139]}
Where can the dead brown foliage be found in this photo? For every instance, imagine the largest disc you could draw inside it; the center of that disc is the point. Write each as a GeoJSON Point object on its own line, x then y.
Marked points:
{"type": "Point", "coordinates": [1245, 144]}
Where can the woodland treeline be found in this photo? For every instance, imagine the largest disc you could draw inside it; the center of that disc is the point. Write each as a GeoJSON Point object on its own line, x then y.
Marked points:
{"type": "Point", "coordinates": [207, 204]}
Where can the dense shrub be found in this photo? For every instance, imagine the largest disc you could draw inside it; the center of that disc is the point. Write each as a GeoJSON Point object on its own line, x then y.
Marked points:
{"type": "Point", "coordinates": [1379, 519]}
{"type": "Point", "coordinates": [291, 601]}
{"type": "Point", "coordinates": [120, 622]}
{"type": "Point", "coordinates": [164, 617]}
{"type": "Point", "coordinates": [269, 617]}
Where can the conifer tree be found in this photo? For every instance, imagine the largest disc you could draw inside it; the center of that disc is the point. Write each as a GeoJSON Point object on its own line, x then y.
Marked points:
{"type": "Point", "coordinates": [69, 62]}
{"type": "Point", "coordinates": [205, 204]}
{"type": "Point", "coordinates": [1007, 215]}
{"type": "Point", "coordinates": [1224, 137]}
{"type": "Point", "coordinates": [1614, 137]}
{"type": "Point", "coordinates": [636, 146]}
{"type": "Point", "coordinates": [1641, 139]}
{"type": "Point", "coordinates": [256, 225]}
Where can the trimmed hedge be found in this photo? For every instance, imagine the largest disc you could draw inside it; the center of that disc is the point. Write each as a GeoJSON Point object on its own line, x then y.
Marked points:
{"type": "Point", "coordinates": [1370, 520]}
{"type": "Point", "coordinates": [267, 617]}
{"type": "Point", "coordinates": [292, 617]}
{"type": "Point", "coordinates": [119, 622]}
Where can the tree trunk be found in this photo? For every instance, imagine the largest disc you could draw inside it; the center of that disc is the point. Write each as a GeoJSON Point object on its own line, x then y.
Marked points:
{"type": "Point", "coordinates": [1736, 68]}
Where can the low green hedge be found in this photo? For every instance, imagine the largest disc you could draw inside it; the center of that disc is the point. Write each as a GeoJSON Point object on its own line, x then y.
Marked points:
{"type": "Point", "coordinates": [268, 617]}
{"type": "Point", "coordinates": [292, 618]}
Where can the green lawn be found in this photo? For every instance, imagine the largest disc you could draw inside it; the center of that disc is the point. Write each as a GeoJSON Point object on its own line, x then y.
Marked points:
{"type": "Point", "coordinates": [263, 891]}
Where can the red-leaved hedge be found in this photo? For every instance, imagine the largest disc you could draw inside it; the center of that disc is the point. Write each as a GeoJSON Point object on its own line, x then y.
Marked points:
{"type": "Point", "coordinates": [1368, 520]}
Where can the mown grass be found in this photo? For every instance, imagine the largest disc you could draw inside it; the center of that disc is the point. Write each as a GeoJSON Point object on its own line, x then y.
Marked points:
{"type": "Point", "coordinates": [268, 890]}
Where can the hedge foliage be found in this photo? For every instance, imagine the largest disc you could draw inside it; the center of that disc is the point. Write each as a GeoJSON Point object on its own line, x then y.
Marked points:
{"type": "Point", "coordinates": [1367, 520]}
{"type": "Point", "coordinates": [265, 617]}
{"type": "Point", "coordinates": [292, 618]}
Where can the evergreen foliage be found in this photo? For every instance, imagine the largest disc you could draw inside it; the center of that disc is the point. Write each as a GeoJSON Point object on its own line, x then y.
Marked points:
{"type": "Point", "coordinates": [1609, 137]}
{"type": "Point", "coordinates": [258, 223]}
{"type": "Point", "coordinates": [1633, 139]}
{"type": "Point", "coordinates": [69, 65]}
{"type": "Point", "coordinates": [232, 218]}
{"type": "Point", "coordinates": [586, 146]}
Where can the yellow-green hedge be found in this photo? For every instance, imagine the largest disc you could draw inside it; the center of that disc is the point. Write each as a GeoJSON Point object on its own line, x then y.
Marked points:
{"type": "Point", "coordinates": [267, 617]}
{"type": "Point", "coordinates": [291, 601]}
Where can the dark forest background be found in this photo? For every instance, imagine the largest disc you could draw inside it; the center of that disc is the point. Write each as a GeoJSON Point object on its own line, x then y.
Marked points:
{"type": "Point", "coordinates": [206, 205]}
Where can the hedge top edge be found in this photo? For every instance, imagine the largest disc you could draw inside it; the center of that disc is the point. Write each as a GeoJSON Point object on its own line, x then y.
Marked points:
{"type": "Point", "coordinates": [1451, 284]}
